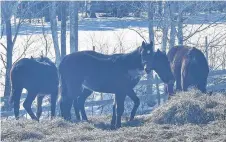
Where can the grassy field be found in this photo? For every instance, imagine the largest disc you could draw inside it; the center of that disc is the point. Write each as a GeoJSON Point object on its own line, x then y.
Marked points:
{"type": "Point", "coordinates": [190, 116]}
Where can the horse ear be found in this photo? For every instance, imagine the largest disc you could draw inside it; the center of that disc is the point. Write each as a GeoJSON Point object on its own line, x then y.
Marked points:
{"type": "Point", "coordinates": [143, 44]}
{"type": "Point", "coordinates": [151, 43]}
{"type": "Point", "coordinates": [164, 52]}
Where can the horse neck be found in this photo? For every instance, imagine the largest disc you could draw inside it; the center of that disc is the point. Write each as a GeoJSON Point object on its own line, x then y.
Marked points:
{"type": "Point", "coordinates": [131, 60]}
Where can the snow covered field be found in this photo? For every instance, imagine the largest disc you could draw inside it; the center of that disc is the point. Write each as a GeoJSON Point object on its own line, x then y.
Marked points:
{"type": "Point", "coordinates": [111, 35]}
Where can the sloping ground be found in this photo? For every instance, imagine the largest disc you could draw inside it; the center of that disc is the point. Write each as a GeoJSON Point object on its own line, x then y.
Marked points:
{"type": "Point", "coordinates": [186, 117]}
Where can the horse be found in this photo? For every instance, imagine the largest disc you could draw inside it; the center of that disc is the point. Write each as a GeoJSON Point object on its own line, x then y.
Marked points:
{"type": "Point", "coordinates": [107, 75]}
{"type": "Point", "coordinates": [37, 76]}
{"type": "Point", "coordinates": [161, 61]}
{"type": "Point", "coordinates": [189, 67]}
{"type": "Point", "coordinates": [133, 76]}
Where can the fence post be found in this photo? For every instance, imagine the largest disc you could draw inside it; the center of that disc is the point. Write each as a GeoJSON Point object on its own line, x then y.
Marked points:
{"type": "Point", "coordinates": [157, 89]}
{"type": "Point", "coordinates": [206, 49]}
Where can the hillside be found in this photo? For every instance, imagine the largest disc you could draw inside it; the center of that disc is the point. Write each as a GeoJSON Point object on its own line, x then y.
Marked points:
{"type": "Point", "coordinates": [188, 116]}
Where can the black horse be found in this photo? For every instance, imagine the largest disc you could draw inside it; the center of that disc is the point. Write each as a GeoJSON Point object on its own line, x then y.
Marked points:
{"type": "Point", "coordinates": [37, 76]}
{"type": "Point", "coordinates": [161, 66]}
{"type": "Point", "coordinates": [133, 77]}
{"type": "Point", "coordinates": [108, 75]}
{"type": "Point", "coordinates": [190, 68]}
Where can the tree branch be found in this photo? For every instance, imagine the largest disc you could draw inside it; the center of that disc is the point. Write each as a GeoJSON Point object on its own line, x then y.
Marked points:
{"type": "Point", "coordinates": [3, 46]}
{"type": "Point", "coordinates": [138, 34]}
{"type": "Point", "coordinates": [3, 61]}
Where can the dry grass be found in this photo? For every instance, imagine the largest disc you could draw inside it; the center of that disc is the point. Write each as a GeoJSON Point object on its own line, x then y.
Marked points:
{"type": "Point", "coordinates": [187, 117]}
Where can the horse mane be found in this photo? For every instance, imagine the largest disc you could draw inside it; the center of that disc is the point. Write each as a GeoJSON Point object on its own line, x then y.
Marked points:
{"type": "Point", "coordinates": [129, 55]}
{"type": "Point", "coordinates": [44, 60]}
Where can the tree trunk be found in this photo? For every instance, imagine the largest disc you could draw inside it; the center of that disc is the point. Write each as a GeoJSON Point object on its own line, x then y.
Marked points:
{"type": "Point", "coordinates": [6, 11]}
{"type": "Point", "coordinates": [165, 27]}
{"type": "Point", "coordinates": [8, 64]}
{"type": "Point", "coordinates": [180, 27]}
{"type": "Point", "coordinates": [151, 38]}
{"type": "Point", "coordinates": [63, 29]}
{"type": "Point", "coordinates": [92, 11]}
{"type": "Point", "coordinates": [160, 8]}
{"type": "Point", "coordinates": [86, 9]}
{"type": "Point", "coordinates": [73, 8]}
{"type": "Point", "coordinates": [151, 23]}
{"type": "Point", "coordinates": [53, 23]}
{"type": "Point", "coordinates": [172, 25]}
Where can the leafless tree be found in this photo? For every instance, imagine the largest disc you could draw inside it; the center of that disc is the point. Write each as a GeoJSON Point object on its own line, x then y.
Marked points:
{"type": "Point", "coordinates": [63, 29]}
{"type": "Point", "coordinates": [53, 21]}
{"type": "Point", "coordinates": [73, 9]}
{"type": "Point", "coordinates": [7, 12]}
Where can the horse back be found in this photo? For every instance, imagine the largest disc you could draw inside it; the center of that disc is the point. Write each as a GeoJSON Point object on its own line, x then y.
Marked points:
{"type": "Point", "coordinates": [30, 73]}
{"type": "Point", "coordinates": [197, 62]}
{"type": "Point", "coordinates": [176, 54]}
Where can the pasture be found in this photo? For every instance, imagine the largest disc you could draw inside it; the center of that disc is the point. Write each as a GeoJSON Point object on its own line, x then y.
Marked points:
{"type": "Point", "coordinates": [190, 116]}
{"type": "Point", "coordinates": [187, 116]}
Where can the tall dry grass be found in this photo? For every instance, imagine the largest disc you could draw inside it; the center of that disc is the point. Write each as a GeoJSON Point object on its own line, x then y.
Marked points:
{"type": "Point", "coordinates": [190, 116]}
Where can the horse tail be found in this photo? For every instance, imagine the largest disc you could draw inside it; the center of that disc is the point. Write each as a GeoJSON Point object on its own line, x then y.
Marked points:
{"type": "Point", "coordinates": [199, 69]}
{"type": "Point", "coordinates": [199, 63]}
{"type": "Point", "coordinates": [11, 98]}
{"type": "Point", "coordinates": [15, 91]}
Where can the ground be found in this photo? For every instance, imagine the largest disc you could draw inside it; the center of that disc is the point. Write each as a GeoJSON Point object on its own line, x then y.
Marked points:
{"type": "Point", "coordinates": [190, 116]}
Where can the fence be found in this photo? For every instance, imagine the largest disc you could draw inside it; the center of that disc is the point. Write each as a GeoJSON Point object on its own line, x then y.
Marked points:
{"type": "Point", "coordinates": [215, 83]}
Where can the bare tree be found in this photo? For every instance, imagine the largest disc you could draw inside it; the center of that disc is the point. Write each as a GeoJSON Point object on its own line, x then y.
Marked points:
{"type": "Point", "coordinates": [180, 26]}
{"type": "Point", "coordinates": [151, 38]}
{"type": "Point", "coordinates": [92, 13]}
{"type": "Point", "coordinates": [172, 24]}
{"type": "Point", "coordinates": [7, 11]}
{"type": "Point", "coordinates": [63, 29]}
{"type": "Point", "coordinates": [165, 26]}
{"type": "Point", "coordinates": [73, 8]}
{"type": "Point", "coordinates": [53, 21]}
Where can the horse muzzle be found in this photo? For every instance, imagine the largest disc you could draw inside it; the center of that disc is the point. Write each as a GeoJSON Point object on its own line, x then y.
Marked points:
{"type": "Point", "coordinates": [147, 69]}
{"type": "Point", "coordinates": [171, 82]}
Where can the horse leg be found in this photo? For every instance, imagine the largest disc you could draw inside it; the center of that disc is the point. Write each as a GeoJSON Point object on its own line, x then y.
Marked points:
{"type": "Point", "coordinates": [177, 75]}
{"type": "Point", "coordinates": [53, 103]}
{"type": "Point", "coordinates": [16, 99]}
{"type": "Point", "coordinates": [65, 107]}
{"type": "Point", "coordinates": [178, 83]}
{"type": "Point", "coordinates": [120, 99]}
{"type": "Point", "coordinates": [113, 119]}
{"type": "Point", "coordinates": [76, 109]}
{"type": "Point", "coordinates": [74, 90]}
{"type": "Point", "coordinates": [202, 86]}
{"type": "Point", "coordinates": [27, 104]}
{"type": "Point", "coordinates": [136, 101]}
{"type": "Point", "coordinates": [81, 101]}
{"type": "Point", "coordinates": [39, 106]}
{"type": "Point", "coordinates": [184, 80]}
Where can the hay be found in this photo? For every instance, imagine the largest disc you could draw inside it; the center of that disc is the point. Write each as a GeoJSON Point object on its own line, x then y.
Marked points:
{"type": "Point", "coordinates": [188, 109]}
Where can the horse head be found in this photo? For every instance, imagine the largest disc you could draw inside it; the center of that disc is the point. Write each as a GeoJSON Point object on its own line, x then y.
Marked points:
{"type": "Point", "coordinates": [146, 51]}
{"type": "Point", "coordinates": [160, 64]}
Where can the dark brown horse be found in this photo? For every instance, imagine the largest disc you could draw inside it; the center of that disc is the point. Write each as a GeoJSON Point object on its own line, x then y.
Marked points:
{"type": "Point", "coordinates": [108, 75]}
{"type": "Point", "coordinates": [37, 76]}
{"type": "Point", "coordinates": [189, 66]}
{"type": "Point", "coordinates": [161, 66]}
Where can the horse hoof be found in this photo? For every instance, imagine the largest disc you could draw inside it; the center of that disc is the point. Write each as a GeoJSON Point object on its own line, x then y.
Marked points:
{"type": "Point", "coordinates": [131, 119]}
{"type": "Point", "coordinates": [52, 117]}
{"type": "Point", "coordinates": [113, 127]}
{"type": "Point", "coordinates": [35, 119]}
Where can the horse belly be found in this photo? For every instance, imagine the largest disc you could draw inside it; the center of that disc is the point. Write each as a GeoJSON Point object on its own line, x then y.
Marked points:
{"type": "Point", "coordinates": [104, 84]}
